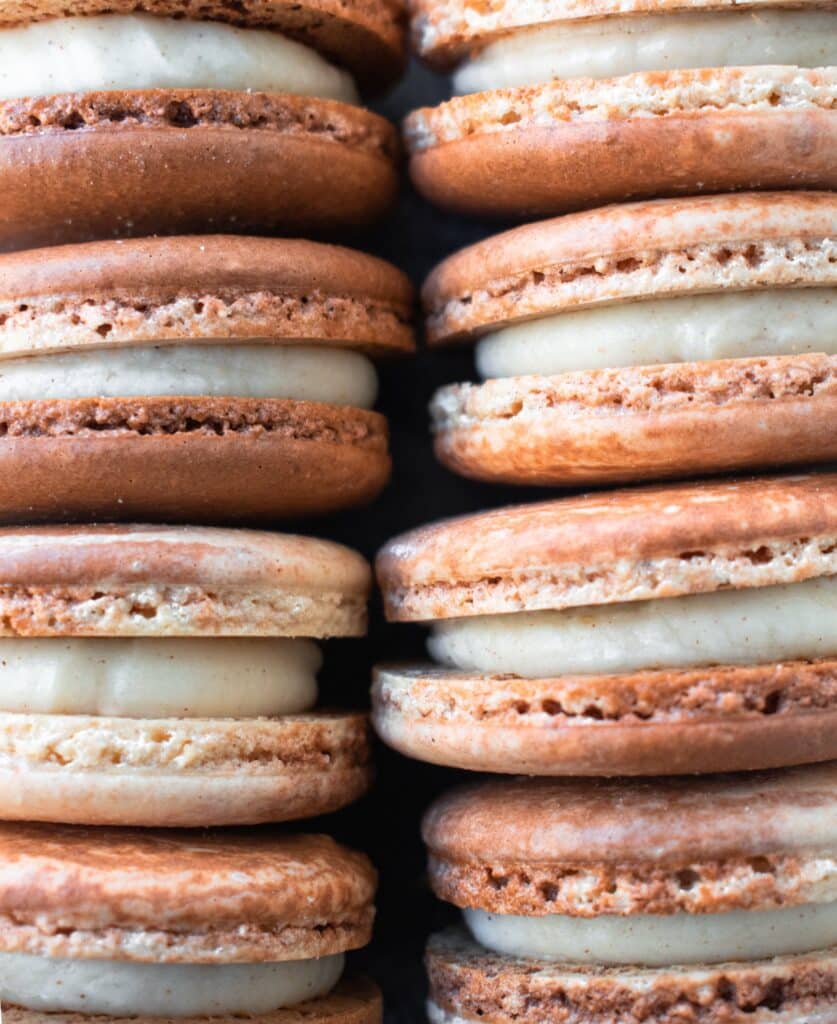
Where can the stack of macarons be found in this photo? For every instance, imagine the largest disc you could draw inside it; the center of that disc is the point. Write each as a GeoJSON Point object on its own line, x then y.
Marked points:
{"type": "Point", "coordinates": [563, 105]}
{"type": "Point", "coordinates": [650, 634]}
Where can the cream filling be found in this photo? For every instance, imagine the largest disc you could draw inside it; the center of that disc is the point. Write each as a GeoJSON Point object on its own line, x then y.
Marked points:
{"type": "Point", "coordinates": [620, 45]}
{"type": "Point", "coordinates": [140, 51]}
{"type": "Point", "coordinates": [658, 940]}
{"type": "Point", "coordinates": [739, 627]}
{"type": "Point", "coordinates": [302, 372]}
{"type": "Point", "coordinates": [126, 989]}
{"type": "Point", "coordinates": [211, 677]}
{"type": "Point", "coordinates": [685, 329]}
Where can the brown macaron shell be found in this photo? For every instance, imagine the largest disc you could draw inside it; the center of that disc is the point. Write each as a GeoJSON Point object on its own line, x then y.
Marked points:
{"type": "Point", "coordinates": [224, 161]}
{"type": "Point", "coordinates": [715, 719]}
{"type": "Point", "coordinates": [568, 145]}
{"type": "Point", "coordinates": [469, 983]}
{"type": "Point", "coordinates": [604, 426]}
{"type": "Point", "coordinates": [659, 846]}
{"type": "Point", "coordinates": [352, 1001]}
{"type": "Point", "coordinates": [194, 458]}
{"type": "Point", "coordinates": [180, 897]}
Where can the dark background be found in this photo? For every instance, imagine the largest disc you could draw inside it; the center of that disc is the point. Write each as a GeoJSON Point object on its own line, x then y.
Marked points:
{"type": "Point", "coordinates": [386, 823]}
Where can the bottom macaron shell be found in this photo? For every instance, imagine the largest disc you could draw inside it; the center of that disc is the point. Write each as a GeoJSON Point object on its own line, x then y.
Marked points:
{"type": "Point", "coordinates": [353, 1001]}
{"type": "Point", "coordinates": [641, 423]}
{"type": "Point", "coordinates": [78, 769]}
{"type": "Point", "coordinates": [469, 983]}
{"type": "Point", "coordinates": [102, 165]}
{"type": "Point", "coordinates": [186, 459]}
{"type": "Point", "coordinates": [571, 145]}
{"type": "Point", "coordinates": [732, 718]}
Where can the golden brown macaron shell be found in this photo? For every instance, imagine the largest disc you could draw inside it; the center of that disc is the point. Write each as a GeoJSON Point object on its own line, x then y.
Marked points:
{"type": "Point", "coordinates": [648, 421]}
{"type": "Point", "coordinates": [604, 549]}
{"type": "Point", "coordinates": [193, 458]}
{"type": "Point", "coordinates": [204, 159]}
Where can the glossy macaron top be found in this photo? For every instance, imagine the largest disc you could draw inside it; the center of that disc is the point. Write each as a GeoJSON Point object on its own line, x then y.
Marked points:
{"type": "Point", "coordinates": [445, 31]}
{"type": "Point", "coordinates": [365, 36]}
{"type": "Point", "coordinates": [587, 847]}
{"type": "Point", "coordinates": [626, 545]}
{"type": "Point", "coordinates": [178, 581]}
{"type": "Point", "coordinates": [634, 251]}
{"type": "Point", "coordinates": [180, 897]}
{"type": "Point", "coordinates": [202, 288]}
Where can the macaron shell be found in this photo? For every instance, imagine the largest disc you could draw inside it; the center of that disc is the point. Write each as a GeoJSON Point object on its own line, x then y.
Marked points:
{"type": "Point", "coordinates": [203, 289]}
{"type": "Point", "coordinates": [467, 983]}
{"type": "Point", "coordinates": [603, 548]}
{"type": "Point", "coordinates": [187, 460]}
{"type": "Point", "coordinates": [180, 773]}
{"type": "Point", "coordinates": [178, 581]}
{"type": "Point", "coordinates": [353, 1001]}
{"type": "Point", "coordinates": [725, 718]}
{"type": "Point", "coordinates": [665, 247]}
{"type": "Point", "coordinates": [546, 149]}
{"type": "Point", "coordinates": [640, 423]}
{"type": "Point", "coordinates": [174, 897]}
{"type": "Point", "coordinates": [223, 161]}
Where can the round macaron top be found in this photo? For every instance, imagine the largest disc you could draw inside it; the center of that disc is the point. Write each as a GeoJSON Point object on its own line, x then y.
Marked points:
{"type": "Point", "coordinates": [642, 250]}
{"type": "Point", "coordinates": [365, 36]}
{"type": "Point", "coordinates": [583, 847]}
{"type": "Point", "coordinates": [202, 288]}
{"type": "Point", "coordinates": [175, 896]}
{"type": "Point", "coordinates": [603, 548]}
{"type": "Point", "coordinates": [446, 31]}
{"type": "Point", "coordinates": [178, 581]}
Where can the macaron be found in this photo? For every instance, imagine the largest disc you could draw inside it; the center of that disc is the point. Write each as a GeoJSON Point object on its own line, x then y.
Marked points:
{"type": "Point", "coordinates": [193, 379]}
{"type": "Point", "coordinates": [168, 677]}
{"type": "Point", "coordinates": [656, 901]}
{"type": "Point", "coordinates": [669, 338]}
{"type": "Point", "coordinates": [640, 632]}
{"type": "Point", "coordinates": [168, 116]}
{"type": "Point", "coordinates": [560, 106]}
{"type": "Point", "coordinates": [114, 923]}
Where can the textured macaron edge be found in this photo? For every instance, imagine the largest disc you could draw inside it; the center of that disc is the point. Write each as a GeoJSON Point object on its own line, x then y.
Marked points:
{"type": "Point", "coordinates": [639, 423]}
{"type": "Point", "coordinates": [719, 718]}
{"type": "Point", "coordinates": [446, 31]}
{"type": "Point", "coordinates": [469, 983]}
{"type": "Point", "coordinates": [638, 250]}
{"type": "Point", "coordinates": [201, 288]}
{"type": "Point", "coordinates": [177, 581]}
{"type": "Point", "coordinates": [113, 896]}
{"type": "Point", "coordinates": [354, 1000]}
{"type": "Point", "coordinates": [586, 847]}
{"type": "Point", "coordinates": [627, 545]}
{"type": "Point", "coordinates": [366, 36]}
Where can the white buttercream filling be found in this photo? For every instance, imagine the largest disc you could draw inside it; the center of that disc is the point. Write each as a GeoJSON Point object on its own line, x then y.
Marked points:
{"type": "Point", "coordinates": [125, 989]}
{"type": "Point", "coordinates": [739, 627]}
{"type": "Point", "coordinates": [214, 677]}
{"type": "Point", "coordinates": [685, 329]}
{"type": "Point", "coordinates": [140, 51]}
{"type": "Point", "coordinates": [655, 940]}
{"type": "Point", "coordinates": [302, 372]}
{"type": "Point", "coordinates": [621, 45]}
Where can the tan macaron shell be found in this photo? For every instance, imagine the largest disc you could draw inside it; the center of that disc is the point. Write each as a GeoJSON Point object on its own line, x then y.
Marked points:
{"type": "Point", "coordinates": [180, 898]}
{"type": "Point", "coordinates": [214, 458]}
{"type": "Point", "coordinates": [179, 582]}
{"type": "Point", "coordinates": [468, 983]}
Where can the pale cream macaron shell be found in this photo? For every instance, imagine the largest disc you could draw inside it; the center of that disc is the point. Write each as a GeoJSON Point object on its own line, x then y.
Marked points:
{"type": "Point", "coordinates": [174, 582]}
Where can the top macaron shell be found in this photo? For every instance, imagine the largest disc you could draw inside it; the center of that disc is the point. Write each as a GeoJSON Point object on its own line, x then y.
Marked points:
{"type": "Point", "coordinates": [215, 457]}
{"type": "Point", "coordinates": [210, 154]}
{"type": "Point", "coordinates": [170, 581]}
